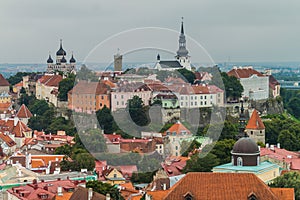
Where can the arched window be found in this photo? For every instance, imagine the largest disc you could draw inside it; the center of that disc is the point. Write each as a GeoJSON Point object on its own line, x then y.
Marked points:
{"type": "Point", "coordinates": [239, 161]}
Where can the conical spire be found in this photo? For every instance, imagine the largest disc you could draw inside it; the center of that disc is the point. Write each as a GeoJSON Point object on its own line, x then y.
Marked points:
{"type": "Point", "coordinates": [182, 30]}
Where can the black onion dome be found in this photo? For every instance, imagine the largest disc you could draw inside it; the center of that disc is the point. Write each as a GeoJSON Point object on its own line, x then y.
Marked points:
{"type": "Point", "coordinates": [245, 145]}
{"type": "Point", "coordinates": [49, 59]}
{"type": "Point", "coordinates": [63, 60]}
{"type": "Point", "coordinates": [72, 60]}
{"type": "Point", "coordinates": [61, 51]}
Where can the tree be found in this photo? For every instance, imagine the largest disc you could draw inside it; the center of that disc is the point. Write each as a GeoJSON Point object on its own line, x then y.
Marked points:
{"type": "Point", "coordinates": [288, 180]}
{"type": "Point", "coordinates": [233, 87]}
{"type": "Point", "coordinates": [104, 188]}
{"type": "Point", "coordinates": [86, 74]}
{"type": "Point", "coordinates": [106, 120]}
{"type": "Point", "coordinates": [65, 86]}
{"type": "Point", "coordinates": [201, 164]}
{"type": "Point", "coordinates": [137, 111]}
{"type": "Point", "coordinates": [222, 150]}
{"type": "Point", "coordinates": [187, 74]}
{"type": "Point", "coordinates": [39, 107]}
{"type": "Point", "coordinates": [228, 131]}
{"type": "Point", "coordinates": [18, 77]}
{"type": "Point", "coordinates": [293, 106]}
{"type": "Point", "coordinates": [94, 141]}
{"type": "Point", "coordinates": [288, 140]}
{"type": "Point", "coordinates": [187, 147]}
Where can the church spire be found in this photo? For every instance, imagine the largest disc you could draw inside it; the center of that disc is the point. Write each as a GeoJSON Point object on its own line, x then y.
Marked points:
{"type": "Point", "coordinates": [182, 30]}
{"type": "Point", "coordinates": [182, 51]}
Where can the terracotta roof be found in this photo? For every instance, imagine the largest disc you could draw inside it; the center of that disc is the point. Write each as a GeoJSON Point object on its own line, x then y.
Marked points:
{"type": "Point", "coordinates": [50, 80]}
{"type": "Point", "coordinates": [24, 112]}
{"type": "Point", "coordinates": [4, 137]}
{"type": "Point", "coordinates": [20, 84]}
{"type": "Point", "coordinates": [126, 170]}
{"type": "Point", "coordinates": [82, 194]}
{"type": "Point", "coordinates": [284, 193]}
{"type": "Point", "coordinates": [292, 158]}
{"type": "Point", "coordinates": [255, 122]}
{"type": "Point", "coordinates": [18, 129]}
{"type": "Point", "coordinates": [159, 194]}
{"type": "Point", "coordinates": [178, 128]}
{"type": "Point", "coordinates": [31, 193]}
{"type": "Point", "coordinates": [85, 87]}
{"type": "Point", "coordinates": [244, 72]}
{"type": "Point", "coordinates": [173, 166]}
{"type": "Point", "coordinates": [219, 186]}
{"type": "Point", "coordinates": [3, 81]}
{"type": "Point", "coordinates": [5, 106]}
{"type": "Point", "coordinates": [52, 186]}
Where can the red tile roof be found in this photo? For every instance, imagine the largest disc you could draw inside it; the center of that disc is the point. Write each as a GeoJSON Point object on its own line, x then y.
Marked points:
{"type": "Point", "coordinates": [273, 82]}
{"type": "Point", "coordinates": [255, 122]}
{"type": "Point", "coordinates": [244, 72]}
{"type": "Point", "coordinates": [18, 129]}
{"type": "Point", "coordinates": [4, 137]}
{"type": "Point", "coordinates": [289, 157]}
{"type": "Point", "coordinates": [82, 194]}
{"type": "Point", "coordinates": [31, 192]}
{"type": "Point", "coordinates": [219, 186]}
{"type": "Point", "coordinates": [20, 84]}
{"type": "Point", "coordinates": [173, 166]}
{"type": "Point", "coordinates": [178, 128]}
{"type": "Point", "coordinates": [50, 80]}
{"type": "Point", "coordinates": [5, 106]}
{"type": "Point", "coordinates": [3, 81]}
{"type": "Point", "coordinates": [284, 193]}
{"type": "Point", "coordinates": [24, 112]}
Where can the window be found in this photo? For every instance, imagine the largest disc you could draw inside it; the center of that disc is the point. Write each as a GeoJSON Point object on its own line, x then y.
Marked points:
{"type": "Point", "coordinates": [176, 147]}
{"type": "Point", "coordinates": [251, 132]}
{"type": "Point", "coordinates": [115, 175]}
{"type": "Point", "coordinates": [188, 197]}
{"type": "Point", "coordinates": [239, 161]}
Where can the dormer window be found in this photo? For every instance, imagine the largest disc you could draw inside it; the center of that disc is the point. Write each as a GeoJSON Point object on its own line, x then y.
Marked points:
{"type": "Point", "coordinates": [252, 196]}
{"type": "Point", "coordinates": [188, 196]}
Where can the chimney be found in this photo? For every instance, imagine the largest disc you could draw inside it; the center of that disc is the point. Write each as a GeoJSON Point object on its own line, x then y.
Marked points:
{"type": "Point", "coordinates": [16, 121]}
{"type": "Point", "coordinates": [107, 196]}
{"type": "Point", "coordinates": [278, 145]}
{"type": "Point", "coordinates": [90, 193]}
{"type": "Point", "coordinates": [267, 145]}
{"type": "Point", "coordinates": [59, 191]}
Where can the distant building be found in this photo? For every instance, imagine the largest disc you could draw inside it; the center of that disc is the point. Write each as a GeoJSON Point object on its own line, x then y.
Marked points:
{"type": "Point", "coordinates": [274, 87]}
{"type": "Point", "coordinates": [4, 85]}
{"type": "Point", "coordinates": [255, 84]}
{"type": "Point", "coordinates": [255, 128]}
{"type": "Point", "coordinates": [127, 90]}
{"type": "Point", "coordinates": [176, 134]}
{"type": "Point", "coordinates": [182, 58]}
{"type": "Point", "coordinates": [47, 88]}
{"type": "Point", "coordinates": [61, 64]}
{"type": "Point", "coordinates": [88, 97]}
{"type": "Point", "coordinates": [246, 159]}
{"type": "Point", "coordinates": [118, 62]}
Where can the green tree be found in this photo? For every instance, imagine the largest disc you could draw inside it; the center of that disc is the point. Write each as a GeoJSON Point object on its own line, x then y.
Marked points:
{"type": "Point", "coordinates": [293, 106]}
{"type": "Point", "coordinates": [201, 164]}
{"type": "Point", "coordinates": [86, 74]}
{"type": "Point", "coordinates": [187, 74]}
{"type": "Point", "coordinates": [233, 87]}
{"type": "Point", "coordinates": [137, 111]}
{"type": "Point", "coordinates": [65, 86]}
{"type": "Point", "coordinates": [187, 147]}
{"type": "Point", "coordinates": [106, 120]}
{"type": "Point", "coordinates": [228, 131]}
{"type": "Point", "coordinates": [222, 150]}
{"type": "Point", "coordinates": [288, 180]}
{"type": "Point", "coordinates": [288, 140]}
{"type": "Point", "coordinates": [104, 188]}
{"type": "Point", "coordinates": [18, 77]}
{"type": "Point", "coordinates": [39, 107]}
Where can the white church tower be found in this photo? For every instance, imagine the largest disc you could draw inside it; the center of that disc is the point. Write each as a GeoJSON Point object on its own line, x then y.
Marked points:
{"type": "Point", "coordinates": [182, 54]}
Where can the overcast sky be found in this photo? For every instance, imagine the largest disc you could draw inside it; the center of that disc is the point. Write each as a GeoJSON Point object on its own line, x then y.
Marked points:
{"type": "Point", "coordinates": [257, 30]}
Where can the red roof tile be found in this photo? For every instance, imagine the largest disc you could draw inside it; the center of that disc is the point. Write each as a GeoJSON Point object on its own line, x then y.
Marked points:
{"type": "Point", "coordinates": [284, 193]}
{"type": "Point", "coordinates": [255, 122]}
{"type": "Point", "coordinates": [3, 81]}
{"type": "Point", "coordinates": [50, 80]}
{"type": "Point", "coordinates": [85, 87]}
{"type": "Point", "coordinates": [219, 186]}
{"type": "Point", "coordinates": [4, 137]}
{"type": "Point", "coordinates": [24, 112]}
{"type": "Point", "coordinates": [244, 72]}
{"type": "Point", "coordinates": [178, 128]}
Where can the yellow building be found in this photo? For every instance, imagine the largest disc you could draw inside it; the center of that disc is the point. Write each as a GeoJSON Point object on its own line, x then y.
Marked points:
{"type": "Point", "coordinates": [113, 176]}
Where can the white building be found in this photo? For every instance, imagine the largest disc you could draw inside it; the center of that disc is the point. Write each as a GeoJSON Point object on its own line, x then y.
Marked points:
{"type": "Point", "coordinates": [127, 90]}
{"type": "Point", "coordinates": [255, 84]}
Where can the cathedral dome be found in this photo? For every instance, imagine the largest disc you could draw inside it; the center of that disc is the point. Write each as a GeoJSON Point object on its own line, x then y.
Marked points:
{"type": "Point", "coordinates": [61, 51]}
{"type": "Point", "coordinates": [49, 59]}
{"type": "Point", "coordinates": [63, 60]}
{"type": "Point", "coordinates": [72, 60]}
{"type": "Point", "coordinates": [245, 145]}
